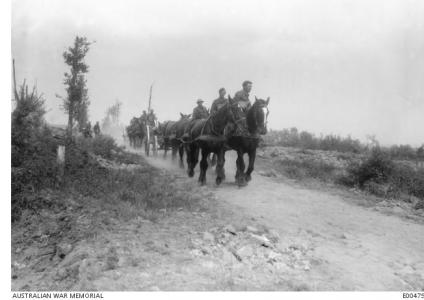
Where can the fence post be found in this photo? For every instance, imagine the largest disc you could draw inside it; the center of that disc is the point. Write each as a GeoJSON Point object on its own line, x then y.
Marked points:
{"type": "Point", "coordinates": [61, 161]}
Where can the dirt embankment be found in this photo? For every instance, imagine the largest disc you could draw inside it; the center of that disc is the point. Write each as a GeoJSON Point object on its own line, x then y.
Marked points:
{"type": "Point", "coordinates": [272, 235]}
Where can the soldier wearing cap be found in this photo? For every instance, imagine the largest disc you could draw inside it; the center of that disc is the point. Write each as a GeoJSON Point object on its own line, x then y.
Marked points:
{"type": "Point", "coordinates": [242, 97]}
{"type": "Point", "coordinates": [219, 102]}
{"type": "Point", "coordinates": [200, 112]}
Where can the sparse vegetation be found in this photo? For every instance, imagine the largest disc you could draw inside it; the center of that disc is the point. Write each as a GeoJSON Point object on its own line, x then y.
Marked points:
{"type": "Point", "coordinates": [306, 140]}
{"type": "Point", "coordinates": [374, 172]}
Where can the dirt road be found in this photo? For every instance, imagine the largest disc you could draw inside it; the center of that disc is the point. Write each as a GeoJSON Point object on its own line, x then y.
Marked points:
{"type": "Point", "coordinates": [273, 234]}
{"type": "Point", "coordinates": [347, 246]}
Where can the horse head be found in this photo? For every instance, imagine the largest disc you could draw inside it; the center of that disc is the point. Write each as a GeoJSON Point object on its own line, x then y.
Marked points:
{"type": "Point", "coordinates": [185, 116]}
{"type": "Point", "coordinates": [257, 116]}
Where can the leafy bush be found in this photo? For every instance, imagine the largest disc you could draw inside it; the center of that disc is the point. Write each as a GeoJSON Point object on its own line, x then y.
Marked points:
{"type": "Point", "coordinates": [33, 158]}
{"type": "Point", "coordinates": [380, 175]}
{"type": "Point", "coordinates": [378, 167]}
{"type": "Point", "coordinates": [299, 169]}
{"type": "Point", "coordinates": [102, 145]}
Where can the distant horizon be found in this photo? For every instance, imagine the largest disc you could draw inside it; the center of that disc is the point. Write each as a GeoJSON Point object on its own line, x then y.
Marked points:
{"type": "Point", "coordinates": [332, 67]}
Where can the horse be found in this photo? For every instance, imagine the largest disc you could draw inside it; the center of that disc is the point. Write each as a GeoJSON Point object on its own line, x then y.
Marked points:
{"type": "Point", "coordinates": [176, 137]}
{"type": "Point", "coordinates": [245, 135]}
{"type": "Point", "coordinates": [165, 130]}
{"type": "Point", "coordinates": [207, 135]}
{"type": "Point", "coordinates": [135, 132]}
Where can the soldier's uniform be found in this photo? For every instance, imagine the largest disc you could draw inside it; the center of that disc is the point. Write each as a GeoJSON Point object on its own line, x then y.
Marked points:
{"type": "Point", "coordinates": [242, 98]}
{"type": "Point", "coordinates": [200, 112]}
{"type": "Point", "coordinates": [96, 129]}
{"type": "Point", "coordinates": [151, 118]}
{"type": "Point", "coordinates": [217, 104]}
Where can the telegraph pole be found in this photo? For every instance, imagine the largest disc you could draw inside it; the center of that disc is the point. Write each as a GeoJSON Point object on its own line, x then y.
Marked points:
{"type": "Point", "coordinates": [150, 98]}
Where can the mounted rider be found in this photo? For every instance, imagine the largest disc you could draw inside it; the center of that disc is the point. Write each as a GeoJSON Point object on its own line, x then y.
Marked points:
{"type": "Point", "coordinates": [219, 102]}
{"type": "Point", "coordinates": [242, 97]}
{"type": "Point", "coordinates": [243, 104]}
{"type": "Point", "coordinates": [151, 118]}
{"type": "Point", "coordinates": [200, 112]}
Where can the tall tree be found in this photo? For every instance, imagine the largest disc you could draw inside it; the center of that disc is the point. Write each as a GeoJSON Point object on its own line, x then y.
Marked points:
{"type": "Point", "coordinates": [76, 102]}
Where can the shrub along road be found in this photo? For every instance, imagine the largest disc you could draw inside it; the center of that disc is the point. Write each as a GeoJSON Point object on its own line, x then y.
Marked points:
{"type": "Point", "coordinates": [149, 227]}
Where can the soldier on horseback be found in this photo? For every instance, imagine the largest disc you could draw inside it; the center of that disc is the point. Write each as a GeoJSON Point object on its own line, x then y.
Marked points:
{"type": "Point", "coordinates": [218, 103]}
{"type": "Point", "coordinates": [200, 112]}
{"type": "Point", "coordinates": [242, 97]}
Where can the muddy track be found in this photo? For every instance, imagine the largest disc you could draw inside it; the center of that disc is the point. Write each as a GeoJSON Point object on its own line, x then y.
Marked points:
{"type": "Point", "coordinates": [347, 246]}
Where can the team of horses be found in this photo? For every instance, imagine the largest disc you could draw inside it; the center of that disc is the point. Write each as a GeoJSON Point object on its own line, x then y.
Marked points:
{"type": "Point", "coordinates": [229, 128]}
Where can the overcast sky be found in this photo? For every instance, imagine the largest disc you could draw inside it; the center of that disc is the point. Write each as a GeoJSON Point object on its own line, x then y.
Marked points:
{"type": "Point", "coordinates": [345, 67]}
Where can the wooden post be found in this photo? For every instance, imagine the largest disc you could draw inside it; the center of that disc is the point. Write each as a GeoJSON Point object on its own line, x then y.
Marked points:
{"type": "Point", "coordinates": [61, 161]}
{"type": "Point", "coordinates": [150, 99]}
{"type": "Point", "coordinates": [14, 81]}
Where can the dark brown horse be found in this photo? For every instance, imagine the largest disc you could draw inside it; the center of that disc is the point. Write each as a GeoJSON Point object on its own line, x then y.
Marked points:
{"type": "Point", "coordinates": [207, 136]}
{"type": "Point", "coordinates": [165, 130]}
{"type": "Point", "coordinates": [244, 137]}
{"type": "Point", "coordinates": [177, 137]}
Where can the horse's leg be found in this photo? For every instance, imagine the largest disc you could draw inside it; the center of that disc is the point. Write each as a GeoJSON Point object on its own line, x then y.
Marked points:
{"type": "Point", "coordinates": [174, 148]}
{"type": "Point", "coordinates": [203, 166]}
{"type": "Point", "coordinates": [240, 169]}
{"type": "Point", "coordinates": [165, 148]}
{"type": "Point", "coordinates": [192, 158]}
{"type": "Point", "coordinates": [252, 156]}
{"type": "Point", "coordinates": [181, 153]}
{"type": "Point", "coordinates": [189, 159]}
{"type": "Point", "coordinates": [220, 166]}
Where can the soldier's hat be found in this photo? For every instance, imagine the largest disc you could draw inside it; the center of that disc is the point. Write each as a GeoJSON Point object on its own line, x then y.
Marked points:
{"type": "Point", "coordinates": [200, 101]}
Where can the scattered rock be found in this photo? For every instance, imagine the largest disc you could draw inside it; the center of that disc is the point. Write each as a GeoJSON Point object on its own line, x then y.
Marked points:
{"type": "Point", "coordinates": [306, 266]}
{"type": "Point", "coordinates": [263, 240]}
{"type": "Point", "coordinates": [252, 229]}
{"type": "Point", "coordinates": [272, 255]}
{"type": "Point", "coordinates": [209, 264]}
{"type": "Point", "coordinates": [63, 249]}
{"type": "Point", "coordinates": [231, 229]}
{"type": "Point", "coordinates": [298, 246]}
{"type": "Point", "coordinates": [344, 236]}
{"type": "Point", "coordinates": [61, 274]}
{"type": "Point", "coordinates": [297, 254]}
{"type": "Point", "coordinates": [209, 237]}
{"type": "Point", "coordinates": [245, 251]}
{"type": "Point", "coordinates": [281, 266]}
{"type": "Point", "coordinates": [17, 265]}
{"type": "Point", "coordinates": [273, 235]}
{"type": "Point", "coordinates": [196, 252]}
{"type": "Point", "coordinates": [228, 257]}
